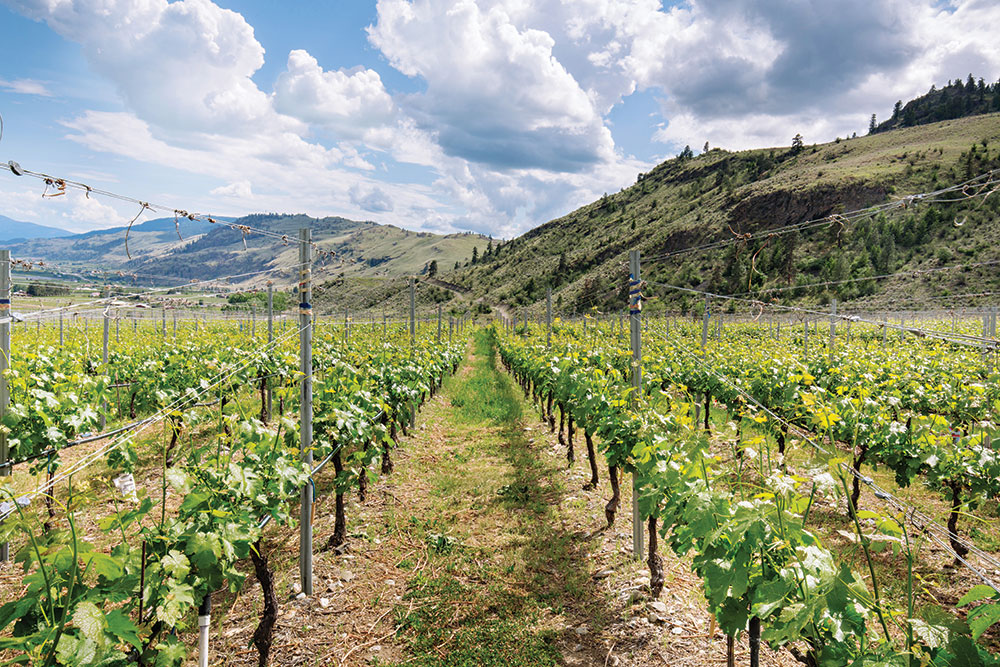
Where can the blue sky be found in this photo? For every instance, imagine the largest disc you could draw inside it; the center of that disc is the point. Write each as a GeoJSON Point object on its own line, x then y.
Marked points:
{"type": "Point", "coordinates": [485, 115]}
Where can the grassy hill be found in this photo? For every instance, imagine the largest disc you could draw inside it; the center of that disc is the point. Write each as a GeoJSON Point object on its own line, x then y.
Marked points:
{"type": "Point", "coordinates": [721, 194]}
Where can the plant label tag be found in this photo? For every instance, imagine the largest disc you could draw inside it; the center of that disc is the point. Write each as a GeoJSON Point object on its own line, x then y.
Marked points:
{"type": "Point", "coordinates": [126, 486]}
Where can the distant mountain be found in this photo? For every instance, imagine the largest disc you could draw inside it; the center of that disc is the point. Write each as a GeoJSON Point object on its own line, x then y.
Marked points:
{"type": "Point", "coordinates": [955, 100]}
{"type": "Point", "coordinates": [11, 230]}
{"type": "Point", "coordinates": [160, 250]}
{"type": "Point", "coordinates": [105, 248]}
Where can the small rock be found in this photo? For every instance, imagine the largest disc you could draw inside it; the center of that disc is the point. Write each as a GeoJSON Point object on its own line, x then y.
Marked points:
{"type": "Point", "coordinates": [655, 618]}
{"type": "Point", "coordinates": [296, 588]}
{"type": "Point", "coordinates": [658, 607]}
{"type": "Point", "coordinates": [629, 595]}
{"type": "Point", "coordinates": [300, 596]}
{"type": "Point", "coordinates": [390, 582]}
{"type": "Point", "coordinates": [604, 574]}
{"type": "Point", "coordinates": [582, 630]}
{"type": "Point", "coordinates": [375, 648]}
{"type": "Point", "coordinates": [677, 630]}
{"type": "Point", "coordinates": [324, 602]}
{"type": "Point", "coordinates": [344, 575]}
{"type": "Point", "coordinates": [641, 581]}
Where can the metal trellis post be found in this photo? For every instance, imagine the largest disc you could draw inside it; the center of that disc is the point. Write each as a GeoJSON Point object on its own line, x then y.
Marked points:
{"type": "Point", "coordinates": [413, 305]}
{"type": "Point", "coordinates": [104, 355]}
{"type": "Point", "coordinates": [548, 316]}
{"type": "Point", "coordinates": [305, 408]}
{"type": "Point", "coordinates": [270, 338]}
{"type": "Point", "coordinates": [635, 322]}
{"type": "Point", "coordinates": [5, 318]}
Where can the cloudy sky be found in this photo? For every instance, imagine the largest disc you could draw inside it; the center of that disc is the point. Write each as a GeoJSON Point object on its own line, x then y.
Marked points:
{"type": "Point", "coordinates": [485, 115]}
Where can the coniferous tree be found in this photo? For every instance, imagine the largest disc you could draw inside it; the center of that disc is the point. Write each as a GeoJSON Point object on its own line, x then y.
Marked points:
{"type": "Point", "coordinates": [872, 125]}
{"type": "Point", "coordinates": [797, 144]}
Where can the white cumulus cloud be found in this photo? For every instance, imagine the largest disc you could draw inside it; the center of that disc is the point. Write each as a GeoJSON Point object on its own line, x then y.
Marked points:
{"type": "Point", "coordinates": [347, 101]}
{"type": "Point", "coordinates": [496, 93]}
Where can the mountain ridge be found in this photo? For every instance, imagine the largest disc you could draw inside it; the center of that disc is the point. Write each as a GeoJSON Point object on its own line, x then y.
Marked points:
{"type": "Point", "coordinates": [185, 250]}
{"type": "Point", "coordinates": [16, 230]}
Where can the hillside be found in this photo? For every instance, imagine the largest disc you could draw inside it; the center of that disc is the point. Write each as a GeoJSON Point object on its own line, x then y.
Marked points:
{"type": "Point", "coordinates": [205, 251]}
{"type": "Point", "coordinates": [718, 195]}
{"type": "Point", "coordinates": [13, 230]}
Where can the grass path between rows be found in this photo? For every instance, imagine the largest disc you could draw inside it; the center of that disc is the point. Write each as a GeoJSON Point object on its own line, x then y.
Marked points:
{"type": "Point", "coordinates": [481, 548]}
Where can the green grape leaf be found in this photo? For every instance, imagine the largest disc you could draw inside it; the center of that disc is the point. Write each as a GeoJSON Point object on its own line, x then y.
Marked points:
{"type": "Point", "coordinates": [90, 620]}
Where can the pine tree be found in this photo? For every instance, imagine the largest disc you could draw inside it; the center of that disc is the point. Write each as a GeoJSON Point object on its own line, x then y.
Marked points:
{"type": "Point", "coordinates": [872, 125]}
{"type": "Point", "coordinates": [896, 109]}
{"type": "Point", "coordinates": [432, 268]}
{"type": "Point", "coordinates": [475, 254]}
{"type": "Point", "coordinates": [797, 144]}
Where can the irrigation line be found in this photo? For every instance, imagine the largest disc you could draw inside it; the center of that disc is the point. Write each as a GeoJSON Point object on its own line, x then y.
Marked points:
{"type": "Point", "coordinates": [897, 274]}
{"type": "Point", "coordinates": [958, 338]}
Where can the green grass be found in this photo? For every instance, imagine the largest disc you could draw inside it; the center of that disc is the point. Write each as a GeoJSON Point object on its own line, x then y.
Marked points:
{"type": "Point", "coordinates": [498, 576]}
{"type": "Point", "coordinates": [486, 396]}
{"type": "Point", "coordinates": [453, 624]}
